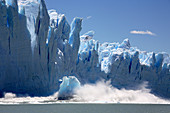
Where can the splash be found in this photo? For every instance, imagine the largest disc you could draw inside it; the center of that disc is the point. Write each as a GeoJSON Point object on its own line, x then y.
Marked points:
{"type": "Point", "coordinates": [104, 92]}
{"type": "Point", "coordinates": [10, 98]}
{"type": "Point", "coordinates": [101, 92]}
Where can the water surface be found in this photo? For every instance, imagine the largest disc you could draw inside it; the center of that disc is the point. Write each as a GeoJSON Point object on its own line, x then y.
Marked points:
{"type": "Point", "coordinates": [85, 108]}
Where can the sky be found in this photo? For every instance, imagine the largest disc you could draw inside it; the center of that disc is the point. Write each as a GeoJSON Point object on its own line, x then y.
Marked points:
{"type": "Point", "coordinates": [146, 23]}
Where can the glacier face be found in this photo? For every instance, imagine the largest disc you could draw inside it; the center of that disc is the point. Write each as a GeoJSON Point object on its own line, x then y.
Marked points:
{"type": "Point", "coordinates": [127, 66]}
{"type": "Point", "coordinates": [39, 47]}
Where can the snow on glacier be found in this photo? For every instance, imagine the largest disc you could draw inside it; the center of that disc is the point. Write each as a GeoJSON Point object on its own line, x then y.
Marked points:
{"type": "Point", "coordinates": [110, 52]}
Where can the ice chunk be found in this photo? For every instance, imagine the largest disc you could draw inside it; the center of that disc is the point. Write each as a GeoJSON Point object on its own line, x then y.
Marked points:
{"type": "Point", "coordinates": [67, 87]}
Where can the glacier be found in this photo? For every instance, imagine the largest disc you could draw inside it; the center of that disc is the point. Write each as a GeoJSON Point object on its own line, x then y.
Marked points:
{"type": "Point", "coordinates": [38, 47]}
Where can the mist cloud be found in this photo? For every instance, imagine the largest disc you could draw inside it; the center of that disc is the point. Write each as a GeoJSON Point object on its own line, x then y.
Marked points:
{"type": "Point", "coordinates": [104, 92]}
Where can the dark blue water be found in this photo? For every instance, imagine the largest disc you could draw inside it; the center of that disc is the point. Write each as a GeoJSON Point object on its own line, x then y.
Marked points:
{"type": "Point", "coordinates": [85, 108]}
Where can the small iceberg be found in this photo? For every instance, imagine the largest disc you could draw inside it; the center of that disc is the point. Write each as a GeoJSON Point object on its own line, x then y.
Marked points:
{"type": "Point", "coordinates": [67, 87]}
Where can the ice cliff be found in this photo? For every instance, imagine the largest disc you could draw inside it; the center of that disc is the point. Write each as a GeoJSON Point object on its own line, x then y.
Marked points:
{"type": "Point", "coordinates": [39, 47]}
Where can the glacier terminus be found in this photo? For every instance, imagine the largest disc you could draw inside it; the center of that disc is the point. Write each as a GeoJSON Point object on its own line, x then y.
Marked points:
{"type": "Point", "coordinates": [38, 47]}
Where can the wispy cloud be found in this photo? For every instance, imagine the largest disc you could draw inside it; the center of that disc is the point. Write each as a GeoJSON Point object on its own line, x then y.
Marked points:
{"type": "Point", "coordinates": [147, 32]}
{"type": "Point", "coordinates": [88, 17]}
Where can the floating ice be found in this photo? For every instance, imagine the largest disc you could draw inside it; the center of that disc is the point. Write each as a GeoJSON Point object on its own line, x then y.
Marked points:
{"type": "Point", "coordinates": [68, 87]}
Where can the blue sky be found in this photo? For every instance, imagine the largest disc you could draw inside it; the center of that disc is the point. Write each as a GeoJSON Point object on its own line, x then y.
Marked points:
{"type": "Point", "coordinates": [115, 20]}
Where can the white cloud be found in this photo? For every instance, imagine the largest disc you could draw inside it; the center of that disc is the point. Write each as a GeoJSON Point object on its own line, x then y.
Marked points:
{"type": "Point", "coordinates": [89, 17]}
{"type": "Point", "coordinates": [147, 32]}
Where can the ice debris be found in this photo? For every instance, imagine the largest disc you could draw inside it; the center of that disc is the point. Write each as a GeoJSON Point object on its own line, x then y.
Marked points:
{"type": "Point", "coordinates": [67, 87]}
